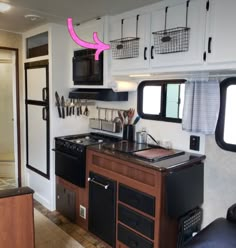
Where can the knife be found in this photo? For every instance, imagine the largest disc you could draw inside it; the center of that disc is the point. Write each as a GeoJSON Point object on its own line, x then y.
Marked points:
{"type": "Point", "coordinates": [73, 108]}
{"type": "Point", "coordinates": [63, 106]}
{"type": "Point", "coordinates": [58, 103]}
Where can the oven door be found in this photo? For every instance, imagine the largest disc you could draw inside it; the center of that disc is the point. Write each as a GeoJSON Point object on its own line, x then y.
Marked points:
{"type": "Point", "coordinates": [71, 167]}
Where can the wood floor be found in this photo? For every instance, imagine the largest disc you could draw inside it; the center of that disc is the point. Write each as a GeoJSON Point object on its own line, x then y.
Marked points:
{"type": "Point", "coordinates": [85, 238]}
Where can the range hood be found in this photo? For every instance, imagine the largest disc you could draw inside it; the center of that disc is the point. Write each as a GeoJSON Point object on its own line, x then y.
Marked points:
{"type": "Point", "coordinates": [98, 94]}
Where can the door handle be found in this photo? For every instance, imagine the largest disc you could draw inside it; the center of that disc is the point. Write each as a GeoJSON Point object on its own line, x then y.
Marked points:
{"type": "Point", "coordinates": [44, 114]}
{"type": "Point", "coordinates": [209, 44]}
{"type": "Point", "coordinates": [145, 53]}
{"type": "Point", "coordinates": [92, 180]}
{"type": "Point", "coordinates": [44, 94]}
{"type": "Point", "coordinates": [152, 48]}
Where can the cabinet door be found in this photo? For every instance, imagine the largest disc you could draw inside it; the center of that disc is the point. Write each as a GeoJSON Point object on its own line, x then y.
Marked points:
{"type": "Point", "coordinates": [37, 139]}
{"type": "Point", "coordinates": [129, 30]}
{"type": "Point", "coordinates": [176, 17]}
{"type": "Point", "coordinates": [221, 38]}
{"type": "Point", "coordinates": [85, 32]}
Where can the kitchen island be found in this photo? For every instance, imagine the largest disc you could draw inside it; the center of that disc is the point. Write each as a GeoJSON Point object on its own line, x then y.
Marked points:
{"type": "Point", "coordinates": [147, 199]}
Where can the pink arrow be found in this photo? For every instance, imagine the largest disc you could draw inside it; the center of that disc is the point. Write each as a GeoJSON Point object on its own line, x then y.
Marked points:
{"type": "Point", "coordinates": [99, 45]}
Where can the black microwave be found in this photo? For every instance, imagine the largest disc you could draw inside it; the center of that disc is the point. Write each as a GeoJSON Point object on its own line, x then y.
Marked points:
{"type": "Point", "coordinates": [87, 70]}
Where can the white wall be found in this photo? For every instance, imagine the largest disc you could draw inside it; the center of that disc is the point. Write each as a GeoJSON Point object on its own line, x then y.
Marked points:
{"type": "Point", "coordinates": [220, 186]}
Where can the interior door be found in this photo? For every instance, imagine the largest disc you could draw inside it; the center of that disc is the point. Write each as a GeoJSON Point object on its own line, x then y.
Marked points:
{"type": "Point", "coordinates": [7, 115]}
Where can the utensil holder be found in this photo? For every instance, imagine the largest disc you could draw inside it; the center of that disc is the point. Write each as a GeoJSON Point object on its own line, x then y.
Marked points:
{"type": "Point", "coordinates": [129, 132]}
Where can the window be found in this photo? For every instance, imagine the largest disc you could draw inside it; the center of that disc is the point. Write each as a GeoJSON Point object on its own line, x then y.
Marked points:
{"type": "Point", "coordinates": [226, 126]}
{"type": "Point", "coordinates": [161, 100]}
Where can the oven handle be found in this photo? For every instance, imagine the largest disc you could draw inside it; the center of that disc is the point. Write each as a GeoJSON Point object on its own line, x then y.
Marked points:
{"type": "Point", "coordinates": [65, 154]}
{"type": "Point", "coordinates": [92, 180]}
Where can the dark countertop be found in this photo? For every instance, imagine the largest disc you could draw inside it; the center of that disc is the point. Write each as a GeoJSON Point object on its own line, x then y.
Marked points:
{"type": "Point", "coordinates": [169, 164]}
{"type": "Point", "coordinates": [15, 192]}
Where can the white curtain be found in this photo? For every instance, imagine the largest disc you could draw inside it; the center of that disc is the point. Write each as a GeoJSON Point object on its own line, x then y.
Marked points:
{"type": "Point", "coordinates": [201, 106]}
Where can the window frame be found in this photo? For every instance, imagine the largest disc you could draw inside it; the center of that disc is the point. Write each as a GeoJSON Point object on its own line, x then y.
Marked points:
{"type": "Point", "coordinates": [163, 84]}
{"type": "Point", "coordinates": [219, 134]}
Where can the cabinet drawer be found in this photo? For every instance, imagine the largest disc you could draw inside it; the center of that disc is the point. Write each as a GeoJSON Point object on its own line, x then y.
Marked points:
{"type": "Point", "coordinates": [132, 239]}
{"type": "Point", "coordinates": [136, 221]}
{"type": "Point", "coordinates": [137, 199]}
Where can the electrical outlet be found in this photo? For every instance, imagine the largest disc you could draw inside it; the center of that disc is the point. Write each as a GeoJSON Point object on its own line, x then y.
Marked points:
{"type": "Point", "coordinates": [82, 211]}
{"type": "Point", "coordinates": [194, 143]}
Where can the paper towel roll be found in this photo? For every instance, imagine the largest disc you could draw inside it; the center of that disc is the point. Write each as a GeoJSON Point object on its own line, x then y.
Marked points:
{"type": "Point", "coordinates": [119, 86]}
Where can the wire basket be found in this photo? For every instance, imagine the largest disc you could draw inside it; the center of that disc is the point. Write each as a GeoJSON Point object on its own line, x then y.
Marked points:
{"type": "Point", "coordinates": [171, 40]}
{"type": "Point", "coordinates": [125, 48]}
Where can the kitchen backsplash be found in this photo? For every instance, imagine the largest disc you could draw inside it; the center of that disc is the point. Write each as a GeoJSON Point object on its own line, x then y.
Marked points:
{"type": "Point", "coordinates": [161, 131]}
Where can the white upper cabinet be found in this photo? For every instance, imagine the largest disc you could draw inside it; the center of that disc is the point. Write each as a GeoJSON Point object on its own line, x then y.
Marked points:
{"type": "Point", "coordinates": [134, 52]}
{"type": "Point", "coordinates": [184, 47]}
{"type": "Point", "coordinates": [154, 19]}
{"type": "Point", "coordinates": [221, 35]}
{"type": "Point", "coordinates": [85, 32]}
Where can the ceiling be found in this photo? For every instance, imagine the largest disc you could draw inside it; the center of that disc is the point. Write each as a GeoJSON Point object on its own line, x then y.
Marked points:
{"type": "Point", "coordinates": [58, 11]}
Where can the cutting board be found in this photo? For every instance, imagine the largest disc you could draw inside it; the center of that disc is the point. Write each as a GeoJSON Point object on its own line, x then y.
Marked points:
{"type": "Point", "coordinates": [157, 153]}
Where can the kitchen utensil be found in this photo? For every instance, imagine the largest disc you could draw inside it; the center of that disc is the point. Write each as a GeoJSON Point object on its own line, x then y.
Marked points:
{"type": "Point", "coordinates": [136, 120]}
{"type": "Point", "coordinates": [86, 110]}
{"type": "Point", "coordinates": [70, 106]}
{"type": "Point", "coordinates": [67, 104]}
{"type": "Point", "coordinates": [58, 103]}
{"type": "Point", "coordinates": [63, 106]}
{"type": "Point", "coordinates": [125, 115]}
{"type": "Point", "coordinates": [130, 114]}
{"type": "Point", "coordinates": [80, 108]}
{"type": "Point", "coordinates": [73, 107]}
{"type": "Point", "coordinates": [141, 137]}
{"type": "Point", "coordinates": [129, 132]}
{"type": "Point", "coordinates": [121, 117]}
{"type": "Point", "coordinates": [156, 154]}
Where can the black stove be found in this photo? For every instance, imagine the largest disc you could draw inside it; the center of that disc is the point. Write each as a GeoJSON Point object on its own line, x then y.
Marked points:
{"type": "Point", "coordinates": [76, 143]}
{"type": "Point", "coordinates": [70, 158]}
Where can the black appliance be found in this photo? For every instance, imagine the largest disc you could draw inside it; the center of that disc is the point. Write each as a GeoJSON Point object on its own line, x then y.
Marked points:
{"type": "Point", "coordinates": [102, 207]}
{"type": "Point", "coordinates": [87, 70]}
{"type": "Point", "coordinates": [70, 158]}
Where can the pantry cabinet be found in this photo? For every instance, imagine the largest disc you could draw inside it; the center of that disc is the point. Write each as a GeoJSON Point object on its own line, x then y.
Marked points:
{"type": "Point", "coordinates": [221, 37]}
